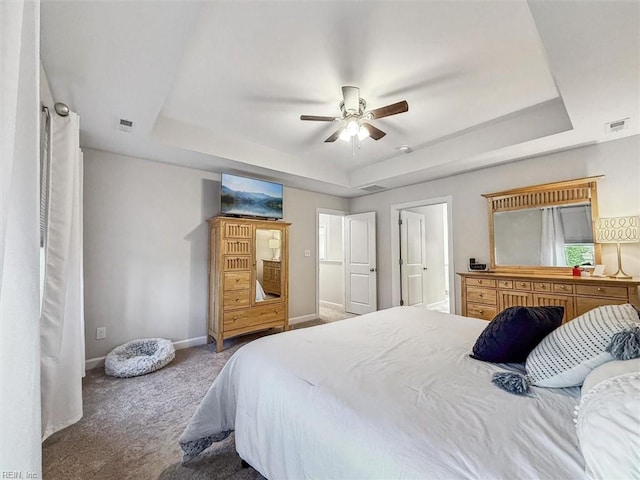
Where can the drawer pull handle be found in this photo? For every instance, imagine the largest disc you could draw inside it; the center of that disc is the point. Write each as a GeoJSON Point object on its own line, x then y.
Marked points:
{"type": "Point", "coordinates": [481, 295]}
{"type": "Point", "coordinates": [562, 287]}
{"type": "Point", "coordinates": [480, 312]}
{"type": "Point", "coordinates": [235, 317]}
{"type": "Point", "coordinates": [600, 289]}
{"type": "Point", "coordinates": [480, 282]}
{"type": "Point", "coordinates": [522, 284]}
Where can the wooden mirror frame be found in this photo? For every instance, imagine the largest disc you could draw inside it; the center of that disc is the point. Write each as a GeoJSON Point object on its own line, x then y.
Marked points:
{"type": "Point", "coordinates": [569, 192]}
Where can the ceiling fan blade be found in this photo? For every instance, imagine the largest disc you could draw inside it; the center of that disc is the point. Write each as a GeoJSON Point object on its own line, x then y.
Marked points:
{"type": "Point", "coordinates": [392, 109]}
{"type": "Point", "coordinates": [317, 118]}
{"type": "Point", "coordinates": [351, 97]}
{"type": "Point", "coordinates": [334, 136]}
{"type": "Point", "coordinates": [374, 132]}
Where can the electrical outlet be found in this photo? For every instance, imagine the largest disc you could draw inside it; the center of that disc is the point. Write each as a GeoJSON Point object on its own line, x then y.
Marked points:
{"type": "Point", "coordinates": [101, 333]}
{"type": "Point", "coordinates": [307, 253]}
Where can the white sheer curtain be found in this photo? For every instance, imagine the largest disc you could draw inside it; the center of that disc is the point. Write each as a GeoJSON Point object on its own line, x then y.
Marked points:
{"type": "Point", "coordinates": [19, 300]}
{"type": "Point", "coordinates": [552, 244]}
{"type": "Point", "coordinates": [62, 320]}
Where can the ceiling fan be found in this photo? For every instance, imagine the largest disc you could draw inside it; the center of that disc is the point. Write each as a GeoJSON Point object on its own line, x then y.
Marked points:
{"type": "Point", "coordinates": [355, 117]}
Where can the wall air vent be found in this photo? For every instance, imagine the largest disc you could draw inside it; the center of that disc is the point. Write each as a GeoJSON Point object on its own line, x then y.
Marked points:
{"type": "Point", "coordinates": [613, 127]}
{"type": "Point", "coordinates": [125, 125]}
{"type": "Point", "coordinates": [373, 188]}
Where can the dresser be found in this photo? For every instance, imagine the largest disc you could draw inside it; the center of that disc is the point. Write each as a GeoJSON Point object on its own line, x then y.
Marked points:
{"type": "Point", "coordinates": [235, 247]}
{"type": "Point", "coordinates": [485, 294]}
{"type": "Point", "coordinates": [271, 275]}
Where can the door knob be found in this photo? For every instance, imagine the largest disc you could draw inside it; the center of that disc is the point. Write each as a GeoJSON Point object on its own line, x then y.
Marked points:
{"type": "Point", "coordinates": [372, 269]}
{"type": "Point", "coordinates": [425, 268]}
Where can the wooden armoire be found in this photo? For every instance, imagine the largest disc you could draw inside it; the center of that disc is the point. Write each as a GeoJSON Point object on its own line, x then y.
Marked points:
{"type": "Point", "coordinates": [248, 277]}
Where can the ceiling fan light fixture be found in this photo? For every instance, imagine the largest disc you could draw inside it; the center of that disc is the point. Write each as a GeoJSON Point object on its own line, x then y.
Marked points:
{"type": "Point", "coordinates": [344, 135]}
{"type": "Point", "coordinates": [352, 127]}
{"type": "Point", "coordinates": [362, 133]}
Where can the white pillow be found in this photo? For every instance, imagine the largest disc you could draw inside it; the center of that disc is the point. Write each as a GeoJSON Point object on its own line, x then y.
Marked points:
{"type": "Point", "coordinates": [566, 356]}
{"type": "Point", "coordinates": [609, 370]}
{"type": "Point", "coordinates": [608, 421]}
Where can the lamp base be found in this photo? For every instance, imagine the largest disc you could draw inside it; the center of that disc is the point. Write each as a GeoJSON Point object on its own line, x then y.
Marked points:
{"type": "Point", "coordinates": [620, 274]}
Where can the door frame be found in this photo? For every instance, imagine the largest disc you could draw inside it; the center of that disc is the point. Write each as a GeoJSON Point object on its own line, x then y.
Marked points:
{"type": "Point", "coordinates": [395, 246]}
{"type": "Point", "coordinates": [326, 211]}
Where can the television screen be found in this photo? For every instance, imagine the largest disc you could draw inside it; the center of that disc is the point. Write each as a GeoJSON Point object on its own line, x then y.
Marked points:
{"type": "Point", "coordinates": [250, 197]}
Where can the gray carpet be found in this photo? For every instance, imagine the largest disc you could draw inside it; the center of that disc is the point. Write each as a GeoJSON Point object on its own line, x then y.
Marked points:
{"type": "Point", "coordinates": [131, 426]}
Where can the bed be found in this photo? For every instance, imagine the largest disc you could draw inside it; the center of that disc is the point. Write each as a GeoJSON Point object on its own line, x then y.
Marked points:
{"type": "Point", "coordinates": [392, 394]}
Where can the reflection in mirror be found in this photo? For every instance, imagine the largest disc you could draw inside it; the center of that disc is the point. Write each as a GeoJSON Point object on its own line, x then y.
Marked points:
{"type": "Point", "coordinates": [268, 277]}
{"type": "Point", "coordinates": [551, 236]}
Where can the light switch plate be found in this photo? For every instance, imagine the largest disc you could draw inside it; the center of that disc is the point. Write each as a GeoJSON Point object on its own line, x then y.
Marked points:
{"type": "Point", "coordinates": [307, 253]}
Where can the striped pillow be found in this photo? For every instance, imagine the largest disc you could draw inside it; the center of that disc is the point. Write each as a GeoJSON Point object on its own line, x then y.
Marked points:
{"type": "Point", "coordinates": [566, 356]}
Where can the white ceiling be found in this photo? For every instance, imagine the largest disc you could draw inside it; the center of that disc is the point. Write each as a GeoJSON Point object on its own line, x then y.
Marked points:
{"type": "Point", "coordinates": [221, 85]}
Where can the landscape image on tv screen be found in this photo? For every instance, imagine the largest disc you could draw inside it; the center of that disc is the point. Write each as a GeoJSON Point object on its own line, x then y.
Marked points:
{"type": "Point", "coordinates": [251, 197]}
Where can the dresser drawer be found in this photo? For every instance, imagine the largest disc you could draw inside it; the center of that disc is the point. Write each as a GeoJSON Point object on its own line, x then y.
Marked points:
{"type": "Point", "coordinates": [268, 314]}
{"type": "Point", "coordinates": [485, 312]}
{"type": "Point", "coordinates": [253, 318]}
{"type": "Point", "coordinates": [541, 287]}
{"type": "Point", "coordinates": [508, 284]}
{"type": "Point", "coordinates": [481, 282]}
{"type": "Point", "coordinates": [602, 291]}
{"type": "Point", "coordinates": [236, 246]}
{"type": "Point", "coordinates": [584, 304]}
{"type": "Point", "coordinates": [236, 298]}
{"type": "Point", "coordinates": [482, 295]}
{"type": "Point", "coordinates": [562, 288]}
{"type": "Point", "coordinates": [521, 285]}
{"type": "Point", "coordinates": [237, 280]}
{"type": "Point", "coordinates": [236, 263]}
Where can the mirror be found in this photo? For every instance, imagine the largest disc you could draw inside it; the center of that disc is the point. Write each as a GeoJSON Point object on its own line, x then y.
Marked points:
{"type": "Point", "coordinates": [552, 236]}
{"type": "Point", "coordinates": [544, 227]}
{"type": "Point", "coordinates": [268, 264]}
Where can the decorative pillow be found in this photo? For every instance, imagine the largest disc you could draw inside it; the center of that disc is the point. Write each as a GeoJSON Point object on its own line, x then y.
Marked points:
{"type": "Point", "coordinates": [566, 356]}
{"type": "Point", "coordinates": [569, 353]}
{"type": "Point", "coordinates": [607, 421]}
{"type": "Point", "coordinates": [515, 332]}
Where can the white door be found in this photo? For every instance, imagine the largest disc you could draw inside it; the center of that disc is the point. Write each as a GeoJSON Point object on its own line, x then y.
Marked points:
{"type": "Point", "coordinates": [360, 259]}
{"type": "Point", "coordinates": [412, 258]}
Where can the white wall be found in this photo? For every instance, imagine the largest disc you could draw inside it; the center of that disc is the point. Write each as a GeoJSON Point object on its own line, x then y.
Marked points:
{"type": "Point", "coordinates": [145, 240]}
{"type": "Point", "coordinates": [19, 197]}
{"type": "Point", "coordinates": [618, 194]}
{"type": "Point", "coordinates": [300, 209]}
{"type": "Point", "coordinates": [146, 237]}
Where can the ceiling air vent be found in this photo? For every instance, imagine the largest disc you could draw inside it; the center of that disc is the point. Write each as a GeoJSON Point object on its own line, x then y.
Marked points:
{"type": "Point", "coordinates": [613, 127]}
{"type": "Point", "coordinates": [125, 125]}
{"type": "Point", "coordinates": [373, 188]}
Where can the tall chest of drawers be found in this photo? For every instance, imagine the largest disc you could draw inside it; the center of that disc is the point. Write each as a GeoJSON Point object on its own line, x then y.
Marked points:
{"type": "Point", "coordinates": [484, 294]}
{"type": "Point", "coordinates": [235, 247]}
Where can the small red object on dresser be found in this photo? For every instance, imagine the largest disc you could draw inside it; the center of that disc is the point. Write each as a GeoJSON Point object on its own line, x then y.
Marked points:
{"type": "Point", "coordinates": [576, 271]}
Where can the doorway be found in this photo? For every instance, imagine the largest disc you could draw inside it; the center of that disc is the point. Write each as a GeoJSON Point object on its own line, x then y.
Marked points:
{"type": "Point", "coordinates": [421, 261]}
{"type": "Point", "coordinates": [346, 264]}
{"type": "Point", "coordinates": [331, 266]}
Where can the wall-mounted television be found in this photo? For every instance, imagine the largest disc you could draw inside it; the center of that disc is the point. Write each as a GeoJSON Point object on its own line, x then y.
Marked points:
{"type": "Point", "coordinates": [242, 196]}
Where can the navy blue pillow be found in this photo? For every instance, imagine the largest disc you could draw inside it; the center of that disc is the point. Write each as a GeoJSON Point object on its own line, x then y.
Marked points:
{"type": "Point", "coordinates": [515, 332]}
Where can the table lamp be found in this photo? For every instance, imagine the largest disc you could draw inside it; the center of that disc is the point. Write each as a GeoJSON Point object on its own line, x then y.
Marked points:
{"type": "Point", "coordinates": [618, 230]}
{"type": "Point", "coordinates": [274, 244]}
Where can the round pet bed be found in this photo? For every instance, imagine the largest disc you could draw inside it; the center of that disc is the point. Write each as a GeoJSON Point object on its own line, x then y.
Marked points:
{"type": "Point", "coordinates": [139, 357]}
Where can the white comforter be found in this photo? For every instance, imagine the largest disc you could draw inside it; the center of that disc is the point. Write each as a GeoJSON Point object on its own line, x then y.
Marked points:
{"type": "Point", "coordinates": [392, 394]}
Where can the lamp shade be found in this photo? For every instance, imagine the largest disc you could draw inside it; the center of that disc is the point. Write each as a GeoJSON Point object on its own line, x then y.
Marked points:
{"type": "Point", "coordinates": [274, 243]}
{"type": "Point", "coordinates": [618, 230]}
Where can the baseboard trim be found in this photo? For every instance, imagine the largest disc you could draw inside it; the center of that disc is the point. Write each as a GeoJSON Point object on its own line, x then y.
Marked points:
{"type": "Point", "coordinates": [331, 304]}
{"type": "Point", "coordinates": [303, 318]}
{"type": "Point", "coordinates": [98, 362]}
{"type": "Point", "coordinates": [190, 342]}
{"type": "Point", "coordinates": [94, 363]}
